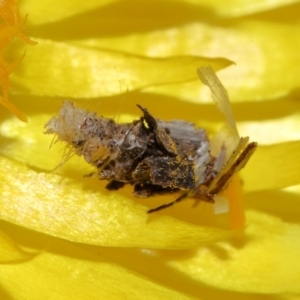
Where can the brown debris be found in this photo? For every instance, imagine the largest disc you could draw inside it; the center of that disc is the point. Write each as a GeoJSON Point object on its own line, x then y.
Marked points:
{"type": "Point", "coordinates": [152, 155]}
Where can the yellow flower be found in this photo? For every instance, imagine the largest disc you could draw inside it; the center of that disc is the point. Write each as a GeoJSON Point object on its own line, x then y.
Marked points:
{"type": "Point", "coordinates": [66, 237]}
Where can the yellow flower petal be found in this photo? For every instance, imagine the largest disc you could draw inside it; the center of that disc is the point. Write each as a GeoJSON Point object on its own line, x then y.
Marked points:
{"type": "Point", "coordinates": [10, 252]}
{"type": "Point", "coordinates": [81, 72]}
{"type": "Point", "coordinates": [235, 8]}
{"type": "Point", "coordinates": [268, 261]}
{"type": "Point", "coordinates": [66, 271]}
{"type": "Point", "coordinates": [266, 54]}
{"type": "Point", "coordinates": [270, 130]}
{"type": "Point", "coordinates": [42, 12]}
{"type": "Point", "coordinates": [265, 67]}
{"type": "Point", "coordinates": [279, 165]}
{"type": "Point", "coordinates": [257, 74]}
{"type": "Point", "coordinates": [28, 144]}
{"type": "Point", "coordinates": [78, 212]}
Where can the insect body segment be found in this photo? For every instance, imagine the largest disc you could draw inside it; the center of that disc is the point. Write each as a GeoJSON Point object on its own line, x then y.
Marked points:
{"type": "Point", "coordinates": [154, 156]}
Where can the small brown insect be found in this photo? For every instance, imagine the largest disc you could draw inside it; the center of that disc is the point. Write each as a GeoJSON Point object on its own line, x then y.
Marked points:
{"type": "Point", "coordinates": [154, 156]}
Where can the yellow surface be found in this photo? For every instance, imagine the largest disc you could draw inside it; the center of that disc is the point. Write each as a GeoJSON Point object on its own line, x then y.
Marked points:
{"type": "Point", "coordinates": [66, 237]}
